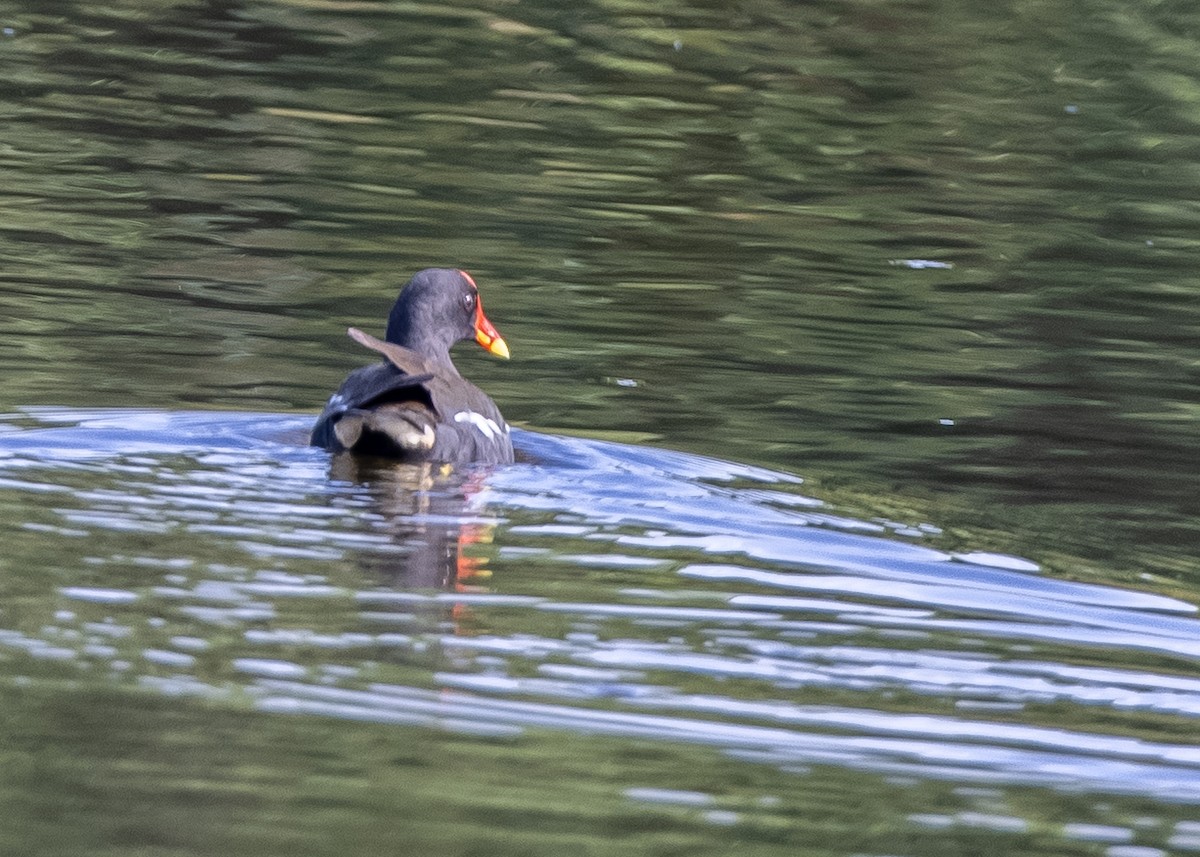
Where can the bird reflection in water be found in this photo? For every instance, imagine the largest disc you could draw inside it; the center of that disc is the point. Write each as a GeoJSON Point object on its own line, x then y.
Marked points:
{"type": "Point", "coordinates": [431, 514]}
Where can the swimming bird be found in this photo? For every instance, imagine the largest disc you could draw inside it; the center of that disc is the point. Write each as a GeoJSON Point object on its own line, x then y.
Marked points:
{"type": "Point", "coordinates": [414, 405]}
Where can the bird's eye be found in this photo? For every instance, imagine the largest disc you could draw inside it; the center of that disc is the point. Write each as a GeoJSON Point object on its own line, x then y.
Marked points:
{"type": "Point", "coordinates": [469, 301]}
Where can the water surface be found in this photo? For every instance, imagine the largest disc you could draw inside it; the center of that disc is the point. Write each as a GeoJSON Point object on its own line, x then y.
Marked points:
{"type": "Point", "coordinates": [935, 260]}
{"type": "Point", "coordinates": [622, 600]}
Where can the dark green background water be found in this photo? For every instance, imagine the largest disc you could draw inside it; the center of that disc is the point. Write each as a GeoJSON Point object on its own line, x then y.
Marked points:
{"type": "Point", "coordinates": [698, 226]}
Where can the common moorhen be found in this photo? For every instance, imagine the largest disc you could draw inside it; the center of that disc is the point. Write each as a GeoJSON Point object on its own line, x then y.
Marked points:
{"type": "Point", "coordinates": [414, 405]}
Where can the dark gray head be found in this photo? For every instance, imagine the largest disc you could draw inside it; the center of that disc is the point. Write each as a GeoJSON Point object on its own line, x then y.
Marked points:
{"type": "Point", "coordinates": [437, 308]}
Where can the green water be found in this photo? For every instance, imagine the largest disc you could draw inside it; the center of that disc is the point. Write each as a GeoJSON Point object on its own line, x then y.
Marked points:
{"type": "Point", "coordinates": [705, 201]}
{"type": "Point", "coordinates": [699, 227]}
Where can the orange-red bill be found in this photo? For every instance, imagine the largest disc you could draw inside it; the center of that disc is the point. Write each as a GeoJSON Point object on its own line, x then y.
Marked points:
{"type": "Point", "coordinates": [487, 335]}
{"type": "Point", "coordinates": [485, 332]}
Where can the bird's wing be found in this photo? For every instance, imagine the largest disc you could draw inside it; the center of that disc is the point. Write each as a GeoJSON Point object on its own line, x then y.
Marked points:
{"type": "Point", "coordinates": [402, 358]}
{"type": "Point", "coordinates": [366, 388]}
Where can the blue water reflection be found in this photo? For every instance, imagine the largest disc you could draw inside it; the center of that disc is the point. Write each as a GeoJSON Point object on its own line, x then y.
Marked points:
{"type": "Point", "coordinates": [593, 587]}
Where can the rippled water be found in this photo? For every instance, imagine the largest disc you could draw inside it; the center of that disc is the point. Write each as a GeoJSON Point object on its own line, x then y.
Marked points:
{"type": "Point", "coordinates": [938, 259]}
{"type": "Point", "coordinates": [603, 591]}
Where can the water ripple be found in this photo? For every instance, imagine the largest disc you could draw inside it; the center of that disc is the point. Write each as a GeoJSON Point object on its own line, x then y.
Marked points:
{"type": "Point", "coordinates": [593, 588]}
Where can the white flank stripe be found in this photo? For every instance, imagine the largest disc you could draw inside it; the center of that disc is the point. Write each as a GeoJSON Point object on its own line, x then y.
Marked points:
{"type": "Point", "coordinates": [489, 427]}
